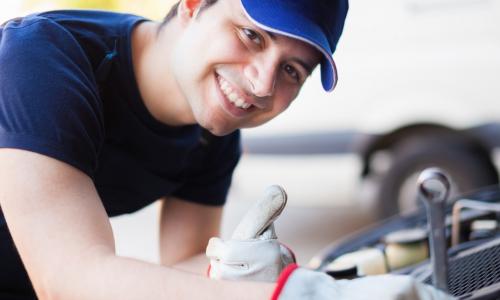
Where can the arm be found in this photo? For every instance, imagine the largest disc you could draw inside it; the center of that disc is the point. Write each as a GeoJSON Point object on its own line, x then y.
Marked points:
{"type": "Point", "coordinates": [185, 229]}
{"type": "Point", "coordinates": [65, 240]}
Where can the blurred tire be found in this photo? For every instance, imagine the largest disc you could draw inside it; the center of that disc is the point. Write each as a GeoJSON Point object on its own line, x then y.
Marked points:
{"type": "Point", "coordinates": [468, 167]}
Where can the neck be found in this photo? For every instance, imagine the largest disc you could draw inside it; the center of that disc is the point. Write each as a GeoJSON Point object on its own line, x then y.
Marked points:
{"type": "Point", "coordinates": [159, 90]}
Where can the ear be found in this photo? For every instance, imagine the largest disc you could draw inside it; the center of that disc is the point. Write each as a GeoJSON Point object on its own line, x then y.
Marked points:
{"type": "Point", "coordinates": [187, 8]}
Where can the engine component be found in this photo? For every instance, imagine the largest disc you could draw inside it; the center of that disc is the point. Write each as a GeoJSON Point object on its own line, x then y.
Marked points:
{"type": "Point", "coordinates": [406, 247]}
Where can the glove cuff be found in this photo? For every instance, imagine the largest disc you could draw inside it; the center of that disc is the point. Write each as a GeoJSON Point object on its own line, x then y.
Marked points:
{"type": "Point", "coordinates": [208, 270]}
{"type": "Point", "coordinates": [282, 279]}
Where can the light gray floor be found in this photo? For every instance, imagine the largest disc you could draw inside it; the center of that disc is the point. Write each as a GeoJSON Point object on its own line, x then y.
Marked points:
{"type": "Point", "coordinates": [322, 206]}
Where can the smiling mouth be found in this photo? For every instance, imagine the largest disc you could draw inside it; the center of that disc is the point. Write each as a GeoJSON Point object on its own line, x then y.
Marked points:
{"type": "Point", "coordinates": [232, 95]}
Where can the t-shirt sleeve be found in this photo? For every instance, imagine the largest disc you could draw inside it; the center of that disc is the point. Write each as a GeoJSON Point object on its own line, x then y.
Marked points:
{"type": "Point", "coordinates": [210, 184]}
{"type": "Point", "coordinates": [49, 100]}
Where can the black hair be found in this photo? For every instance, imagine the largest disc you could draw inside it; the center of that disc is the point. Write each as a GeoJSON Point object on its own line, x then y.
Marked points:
{"type": "Point", "coordinates": [173, 11]}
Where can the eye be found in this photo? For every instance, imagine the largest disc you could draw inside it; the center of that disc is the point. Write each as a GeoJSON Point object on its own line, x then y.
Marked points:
{"type": "Point", "coordinates": [252, 36]}
{"type": "Point", "coordinates": [292, 72]}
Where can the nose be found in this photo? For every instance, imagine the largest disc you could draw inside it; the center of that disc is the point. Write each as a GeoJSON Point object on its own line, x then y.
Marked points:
{"type": "Point", "coordinates": [261, 75]}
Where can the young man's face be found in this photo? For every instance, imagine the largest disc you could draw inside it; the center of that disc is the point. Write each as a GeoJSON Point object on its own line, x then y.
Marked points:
{"type": "Point", "coordinates": [234, 74]}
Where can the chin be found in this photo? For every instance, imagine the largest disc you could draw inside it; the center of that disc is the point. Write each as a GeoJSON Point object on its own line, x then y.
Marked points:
{"type": "Point", "coordinates": [217, 131]}
{"type": "Point", "coordinates": [215, 122]}
{"type": "Point", "coordinates": [218, 128]}
{"type": "Point", "coordinates": [212, 127]}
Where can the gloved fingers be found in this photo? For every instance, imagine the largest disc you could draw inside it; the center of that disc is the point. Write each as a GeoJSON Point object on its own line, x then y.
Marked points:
{"type": "Point", "coordinates": [301, 283]}
{"type": "Point", "coordinates": [287, 255]}
{"type": "Point", "coordinates": [389, 286]}
{"type": "Point", "coordinates": [237, 251]}
{"type": "Point", "coordinates": [221, 260]}
{"type": "Point", "coordinates": [268, 234]}
{"type": "Point", "coordinates": [427, 292]}
{"type": "Point", "coordinates": [253, 252]}
{"type": "Point", "coordinates": [298, 283]}
{"type": "Point", "coordinates": [229, 252]}
{"type": "Point", "coordinates": [215, 248]}
{"type": "Point", "coordinates": [261, 214]}
{"type": "Point", "coordinates": [255, 259]}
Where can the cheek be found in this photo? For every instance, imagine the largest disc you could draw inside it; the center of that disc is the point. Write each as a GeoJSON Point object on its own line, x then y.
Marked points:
{"type": "Point", "coordinates": [286, 96]}
{"type": "Point", "coordinates": [181, 58]}
{"type": "Point", "coordinates": [226, 48]}
{"type": "Point", "coordinates": [282, 106]}
{"type": "Point", "coordinates": [279, 106]}
{"type": "Point", "coordinates": [204, 47]}
{"type": "Point", "coordinates": [283, 101]}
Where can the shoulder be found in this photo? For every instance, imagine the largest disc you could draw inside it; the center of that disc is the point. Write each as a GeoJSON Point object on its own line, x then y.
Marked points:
{"type": "Point", "coordinates": [63, 26]}
{"type": "Point", "coordinates": [94, 22]}
{"type": "Point", "coordinates": [35, 51]}
{"type": "Point", "coordinates": [31, 27]}
{"type": "Point", "coordinates": [35, 40]}
{"type": "Point", "coordinates": [50, 100]}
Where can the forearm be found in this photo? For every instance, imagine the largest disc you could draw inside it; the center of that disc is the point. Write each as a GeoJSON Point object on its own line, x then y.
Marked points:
{"type": "Point", "coordinates": [185, 229]}
{"type": "Point", "coordinates": [197, 264]}
{"type": "Point", "coordinates": [112, 277]}
{"type": "Point", "coordinates": [62, 233]}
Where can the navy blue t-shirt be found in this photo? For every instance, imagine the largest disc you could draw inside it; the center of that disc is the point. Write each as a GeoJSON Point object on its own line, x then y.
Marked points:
{"type": "Point", "coordinates": [68, 90]}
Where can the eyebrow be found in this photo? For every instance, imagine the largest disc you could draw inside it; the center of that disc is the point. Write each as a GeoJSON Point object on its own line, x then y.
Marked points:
{"type": "Point", "coordinates": [273, 36]}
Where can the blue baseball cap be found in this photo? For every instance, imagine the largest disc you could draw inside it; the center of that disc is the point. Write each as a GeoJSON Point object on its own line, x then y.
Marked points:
{"type": "Point", "coordinates": [316, 22]}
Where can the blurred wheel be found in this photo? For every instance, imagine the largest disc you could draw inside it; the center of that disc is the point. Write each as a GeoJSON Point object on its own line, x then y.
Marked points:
{"type": "Point", "coordinates": [468, 167]}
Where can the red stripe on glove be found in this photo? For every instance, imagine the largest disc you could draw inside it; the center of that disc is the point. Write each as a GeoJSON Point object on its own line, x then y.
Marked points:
{"type": "Point", "coordinates": [282, 280]}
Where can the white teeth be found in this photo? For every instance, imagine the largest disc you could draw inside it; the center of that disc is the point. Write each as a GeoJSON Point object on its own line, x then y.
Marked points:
{"type": "Point", "coordinates": [223, 84]}
{"type": "Point", "coordinates": [228, 89]}
{"type": "Point", "coordinates": [240, 102]}
{"type": "Point", "coordinates": [232, 96]}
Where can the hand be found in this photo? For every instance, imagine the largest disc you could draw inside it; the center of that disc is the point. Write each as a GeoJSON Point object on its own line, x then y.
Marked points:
{"type": "Point", "coordinates": [253, 252]}
{"type": "Point", "coordinates": [299, 283]}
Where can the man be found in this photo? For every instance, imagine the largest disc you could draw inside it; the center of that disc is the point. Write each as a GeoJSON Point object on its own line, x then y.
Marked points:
{"type": "Point", "coordinates": [104, 113]}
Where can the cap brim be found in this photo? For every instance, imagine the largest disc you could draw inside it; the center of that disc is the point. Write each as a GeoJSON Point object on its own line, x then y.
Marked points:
{"type": "Point", "coordinates": [274, 16]}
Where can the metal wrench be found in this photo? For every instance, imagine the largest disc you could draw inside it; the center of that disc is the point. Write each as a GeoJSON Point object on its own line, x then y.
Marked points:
{"type": "Point", "coordinates": [434, 188]}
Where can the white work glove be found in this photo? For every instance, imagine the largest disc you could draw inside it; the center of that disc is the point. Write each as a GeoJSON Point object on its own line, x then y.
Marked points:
{"type": "Point", "coordinates": [253, 252]}
{"type": "Point", "coordinates": [302, 284]}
